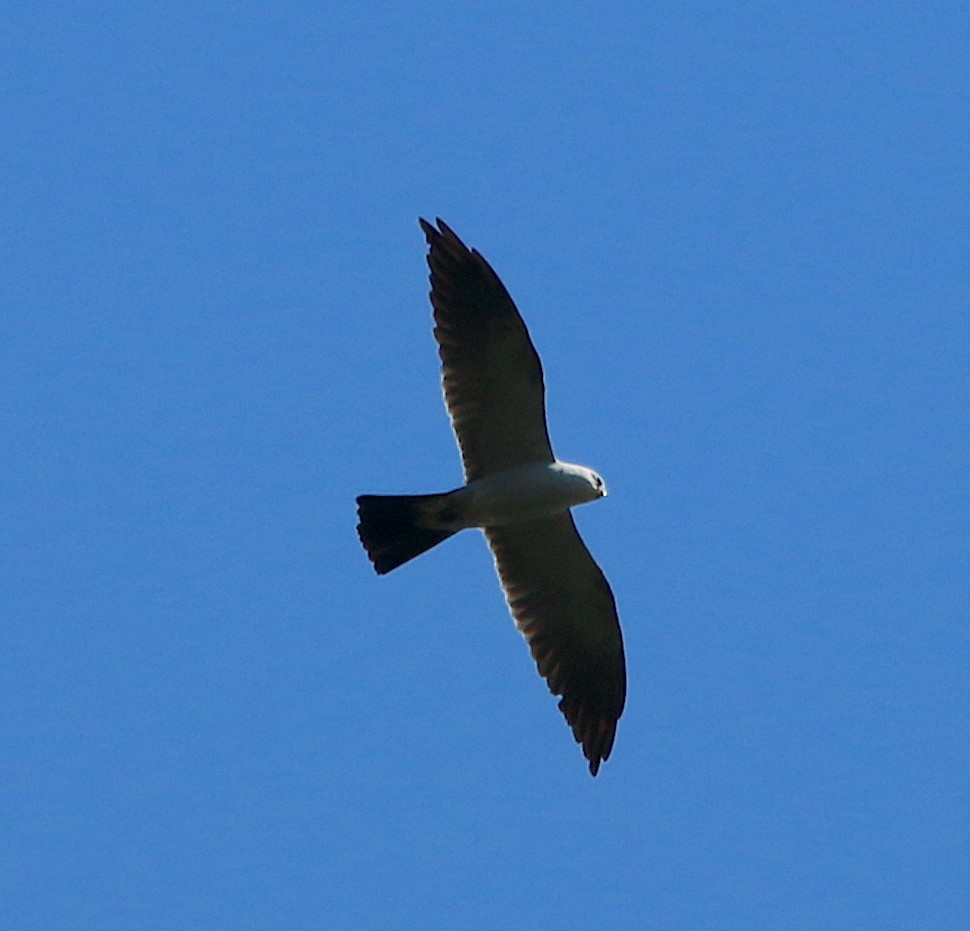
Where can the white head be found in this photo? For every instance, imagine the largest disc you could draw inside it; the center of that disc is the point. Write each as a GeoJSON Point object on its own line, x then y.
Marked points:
{"type": "Point", "coordinates": [590, 485]}
{"type": "Point", "coordinates": [599, 486]}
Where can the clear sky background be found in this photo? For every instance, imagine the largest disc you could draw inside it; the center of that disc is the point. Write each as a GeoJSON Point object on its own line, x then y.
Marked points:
{"type": "Point", "coordinates": [739, 236]}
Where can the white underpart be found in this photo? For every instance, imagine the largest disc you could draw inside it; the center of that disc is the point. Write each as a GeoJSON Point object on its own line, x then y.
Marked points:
{"type": "Point", "coordinates": [526, 493]}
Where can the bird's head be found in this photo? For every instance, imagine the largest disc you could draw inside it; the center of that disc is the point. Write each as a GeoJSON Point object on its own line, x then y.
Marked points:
{"type": "Point", "coordinates": [586, 482]}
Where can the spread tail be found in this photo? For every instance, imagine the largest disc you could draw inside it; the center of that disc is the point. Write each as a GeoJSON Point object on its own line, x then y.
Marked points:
{"type": "Point", "coordinates": [395, 528]}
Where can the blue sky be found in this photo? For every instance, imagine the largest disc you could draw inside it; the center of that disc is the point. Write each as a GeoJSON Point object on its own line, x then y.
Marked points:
{"type": "Point", "coordinates": [739, 235]}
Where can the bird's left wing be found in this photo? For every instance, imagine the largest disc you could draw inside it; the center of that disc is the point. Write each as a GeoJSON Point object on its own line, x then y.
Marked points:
{"type": "Point", "coordinates": [564, 607]}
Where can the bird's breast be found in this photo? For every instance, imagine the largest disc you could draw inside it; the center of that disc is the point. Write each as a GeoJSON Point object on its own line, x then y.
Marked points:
{"type": "Point", "coordinates": [520, 494]}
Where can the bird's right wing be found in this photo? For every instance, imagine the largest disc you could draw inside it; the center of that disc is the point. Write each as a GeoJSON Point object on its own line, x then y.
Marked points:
{"type": "Point", "coordinates": [491, 374]}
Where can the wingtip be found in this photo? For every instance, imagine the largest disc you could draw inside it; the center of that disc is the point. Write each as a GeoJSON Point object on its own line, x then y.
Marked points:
{"type": "Point", "coordinates": [595, 757]}
{"type": "Point", "coordinates": [446, 230]}
{"type": "Point", "coordinates": [440, 230]}
{"type": "Point", "coordinates": [594, 734]}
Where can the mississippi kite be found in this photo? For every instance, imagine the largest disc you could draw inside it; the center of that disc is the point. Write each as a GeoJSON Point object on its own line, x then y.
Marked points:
{"type": "Point", "coordinates": [516, 491]}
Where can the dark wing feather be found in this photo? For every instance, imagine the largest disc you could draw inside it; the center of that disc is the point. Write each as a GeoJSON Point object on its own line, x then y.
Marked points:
{"type": "Point", "coordinates": [491, 374]}
{"type": "Point", "coordinates": [564, 607]}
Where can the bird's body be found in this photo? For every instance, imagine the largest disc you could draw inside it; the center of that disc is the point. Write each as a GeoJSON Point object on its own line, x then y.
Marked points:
{"type": "Point", "coordinates": [516, 491]}
{"type": "Point", "coordinates": [526, 493]}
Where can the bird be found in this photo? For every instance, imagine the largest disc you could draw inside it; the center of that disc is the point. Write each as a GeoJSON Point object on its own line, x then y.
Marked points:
{"type": "Point", "coordinates": [516, 491]}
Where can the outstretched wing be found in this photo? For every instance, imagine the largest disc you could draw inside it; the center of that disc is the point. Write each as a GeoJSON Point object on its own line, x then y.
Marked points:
{"type": "Point", "coordinates": [564, 607]}
{"type": "Point", "coordinates": [491, 374]}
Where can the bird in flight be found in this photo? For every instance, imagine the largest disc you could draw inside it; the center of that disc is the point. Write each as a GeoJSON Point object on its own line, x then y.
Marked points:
{"type": "Point", "coordinates": [516, 491]}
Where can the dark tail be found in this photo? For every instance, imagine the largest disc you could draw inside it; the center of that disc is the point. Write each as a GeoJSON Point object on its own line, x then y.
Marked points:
{"type": "Point", "coordinates": [395, 528]}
